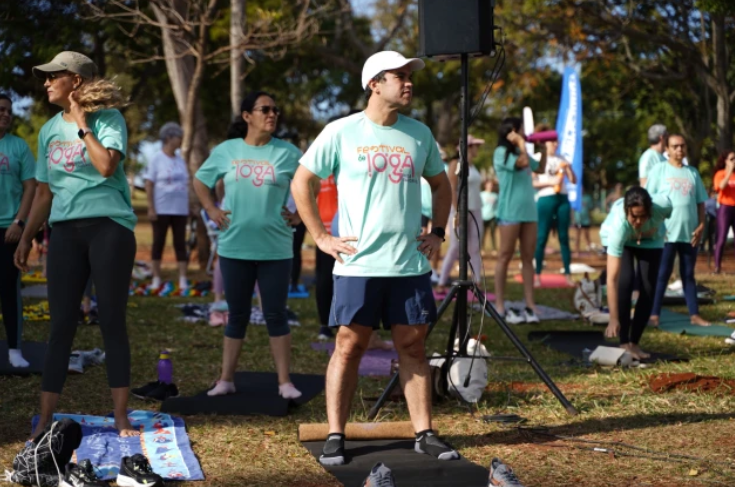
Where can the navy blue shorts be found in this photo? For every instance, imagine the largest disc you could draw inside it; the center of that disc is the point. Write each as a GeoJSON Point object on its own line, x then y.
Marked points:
{"type": "Point", "coordinates": [367, 301]}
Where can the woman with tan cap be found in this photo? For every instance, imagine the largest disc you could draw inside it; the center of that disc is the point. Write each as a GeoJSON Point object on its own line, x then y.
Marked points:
{"type": "Point", "coordinates": [83, 192]}
{"type": "Point", "coordinates": [474, 219]}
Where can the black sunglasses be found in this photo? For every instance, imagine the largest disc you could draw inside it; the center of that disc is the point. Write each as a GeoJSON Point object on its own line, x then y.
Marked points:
{"type": "Point", "coordinates": [57, 75]}
{"type": "Point", "coordinates": [267, 109]}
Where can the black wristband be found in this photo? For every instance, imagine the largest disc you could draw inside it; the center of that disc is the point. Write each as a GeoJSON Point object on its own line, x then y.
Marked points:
{"type": "Point", "coordinates": [439, 232]}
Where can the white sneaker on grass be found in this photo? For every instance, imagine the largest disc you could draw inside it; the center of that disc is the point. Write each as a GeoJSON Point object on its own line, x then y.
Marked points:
{"type": "Point", "coordinates": [514, 317]}
{"type": "Point", "coordinates": [76, 363]}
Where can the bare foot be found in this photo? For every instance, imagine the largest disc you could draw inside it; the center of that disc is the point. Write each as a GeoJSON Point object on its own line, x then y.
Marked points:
{"type": "Point", "coordinates": [536, 280]}
{"type": "Point", "coordinates": [570, 281]}
{"type": "Point", "coordinates": [653, 321]}
{"type": "Point", "coordinates": [39, 429]}
{"type": "Point", "coordinates": [377, 344]}
{"type": "Point", "coordinates": [699, 321]}
{"type": "Point", "coordinates": [637, 353]}
{"type": "Point", "coordinates": [125, 428]}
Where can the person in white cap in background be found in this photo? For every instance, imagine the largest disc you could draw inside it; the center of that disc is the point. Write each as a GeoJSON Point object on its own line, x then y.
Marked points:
{"type": "Point", "coordinates": [382, 272]}
{"type": "Point", "coordinates": [474, 219]}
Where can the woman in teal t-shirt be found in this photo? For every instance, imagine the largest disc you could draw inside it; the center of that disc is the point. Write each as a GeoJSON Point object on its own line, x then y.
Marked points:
{"type": "Point", "coordinates": [83, 192]}
{"type": "Point", "coordinates": [17, 187]}
{"type": "Point", "coordinates": [256, 240]}
{"type": "Point", "coordinates": [517, 215]}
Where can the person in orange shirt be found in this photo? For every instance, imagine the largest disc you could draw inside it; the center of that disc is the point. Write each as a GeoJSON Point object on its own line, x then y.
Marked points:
{"type": "Point", "coordinates": [724, 183]}
{"type": "Point", "coordinates": [326, 202]}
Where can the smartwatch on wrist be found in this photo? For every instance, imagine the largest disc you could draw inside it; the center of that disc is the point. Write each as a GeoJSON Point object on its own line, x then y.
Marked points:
{"type": "Point", "coordinates": [439, 232]}
{"type": "Point", "coordinates": [19, 222]}
{"type": "Point", "coordinates": [83, 132]}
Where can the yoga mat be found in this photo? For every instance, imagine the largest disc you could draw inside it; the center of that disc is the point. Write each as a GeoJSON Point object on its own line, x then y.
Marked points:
{"type": "Point", "coordinates": [257, 393]}
{"type": "Point", "coordinates": [729, 298]}
{"type": "Point", "coordinates": [547, 280]}
{"type": "Point", "coordinates": [36, 291]}
{"type": "Point", "coordinates": [470, 296]}
{"type": "Point", "coordinates": [544, 312]}
{"type": "Point", "coordinates": [574, 342]}
{"type": "Point", "coordinates": [400, 430]}
{"type": "Point", "coordinates": [374, 362]}
{"type": "Point", "coordinates": [409, 468]}
{"type": "Point", "coordinates": [299, 293]}
{"type": "Point", "coordinates": [163, 441]}
{"type": "Point", "coordinates": [680, 324]}
{"type": "Point", "coordinates": [33, 352]}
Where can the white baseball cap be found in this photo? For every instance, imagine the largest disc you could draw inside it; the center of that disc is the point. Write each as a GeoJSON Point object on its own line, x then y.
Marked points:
{"type": "Point", "coordinates": [385, 61]}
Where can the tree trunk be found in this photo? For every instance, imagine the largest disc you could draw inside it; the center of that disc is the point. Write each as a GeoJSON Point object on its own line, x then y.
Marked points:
{"type": "Point", "coordinates": [237, 20]}
{"type": "Point", "coordinates": [185, 75]}
{"type": "Point", "coordinates": [722, 90]}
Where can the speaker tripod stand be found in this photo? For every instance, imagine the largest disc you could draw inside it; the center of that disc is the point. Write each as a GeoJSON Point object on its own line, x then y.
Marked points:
{"type": "Point", "coordinates": [463, 286]}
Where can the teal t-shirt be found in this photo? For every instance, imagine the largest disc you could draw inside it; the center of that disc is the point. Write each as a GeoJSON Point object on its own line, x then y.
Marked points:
{"type": "Point", "coordinates": [378, 172]}
{"type": "Point", "coordinates": [616, 231]}
{"type": "Point", "coordinates": [516, 198]}
{"type": "Point", "coordinates": [16, 165]}
{"type": "Point", "coordinates": [584, 216]}
{"type": "Point", "coordinates": [489, 205]}
{"type": "Point", "coordinates": [257, 182]}
{"type": "Point", "coordinates": [685, 189]}
{"type": "Point", "coordinates": [426, 199]}
{"type": "Point", "coordinates": [79, 190]}
{"type": "Point", "coordinates": [648, 161]}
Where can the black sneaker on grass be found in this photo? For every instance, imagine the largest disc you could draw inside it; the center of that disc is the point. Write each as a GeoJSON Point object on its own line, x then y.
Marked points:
{"type": "Point", "coordinates": [333, 452]}
{"type": "Point", "coordinates": [427, 442]}
{"type": "Point", "coordinates": [163, 391]}
{"type": "Point", "coordinates": [135, 471]}
{"type": "Point", "coordinates": [81, 475]}
{"type": "Point", "coordinates": [142, 392]}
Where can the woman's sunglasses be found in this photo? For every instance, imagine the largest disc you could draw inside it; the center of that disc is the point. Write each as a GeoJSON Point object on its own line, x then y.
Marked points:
{"type": "Point", "coordinates": [267, 109]}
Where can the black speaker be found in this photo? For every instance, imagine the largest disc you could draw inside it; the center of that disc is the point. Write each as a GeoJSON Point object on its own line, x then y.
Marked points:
{"type": "Point", "coordinates": [448, 28]}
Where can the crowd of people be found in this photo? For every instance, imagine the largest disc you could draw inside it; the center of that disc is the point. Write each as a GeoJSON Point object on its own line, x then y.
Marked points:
{"type": "Point", "coordinates": [263, 194]}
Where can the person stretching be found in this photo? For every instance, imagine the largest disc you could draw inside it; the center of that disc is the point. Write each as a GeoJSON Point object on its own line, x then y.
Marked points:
{"type": "Point", "coordinates": [84, 194]}
{"type": "Point", "coordinates": [684, 229]}
{"type": "Point", "coordinates": [256, 244]}
{"type": "Point", "coordinates": [633, 232]}
{"type": "Point", "coordinates": [17, 187]}
{"type": "Point", "coordinates": [724, 183]}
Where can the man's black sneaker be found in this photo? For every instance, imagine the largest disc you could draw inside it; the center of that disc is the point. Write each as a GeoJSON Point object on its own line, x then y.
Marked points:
{"type": "Point", "coordinates": [135, 471]}
{"type": "Point", "coordinates": [163, 391]}
{"type": "Point", "coordinates": [427, 442]}
{"type": "Point", "coordinates": [141, 392]}
{"type": "Point", "coordinates": [333, 452]}
{"type": "Point", "coordinates": [81, 475]}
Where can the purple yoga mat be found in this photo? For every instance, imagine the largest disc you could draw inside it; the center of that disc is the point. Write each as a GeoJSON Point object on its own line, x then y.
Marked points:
{"type": "Point", "coordinates": [374, 362]}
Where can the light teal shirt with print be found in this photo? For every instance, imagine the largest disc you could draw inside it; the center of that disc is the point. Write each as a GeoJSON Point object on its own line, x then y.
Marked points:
{"type": "Point", "coordinates": [79, 190]}
{"type": "Point", "coordinates": [378, 171]}
{"type": "Point", "coordinates": [648, 161]}
{"type": "Point", "coordinates": [516, 198]}
{"type": "Point", "coordinates": [16, 165]}
{"type": "Point", "coordinates": [426, 199]}
{"type": "Point", "coordinates": [257, 182]}
{"type": "Point", "coordinates": [489, 205]}
{"type": "Point", "coordinates": [685, 189]}
{"type": "Point", "coordinates": [616, 231]}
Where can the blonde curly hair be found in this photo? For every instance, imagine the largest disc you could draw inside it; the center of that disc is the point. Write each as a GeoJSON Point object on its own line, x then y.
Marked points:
{"type": "Point", "coordinates": [99, 93]}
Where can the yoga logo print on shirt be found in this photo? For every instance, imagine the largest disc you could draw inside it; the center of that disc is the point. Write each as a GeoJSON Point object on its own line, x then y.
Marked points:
{"type": "Point", "coordinates": [395, 161]}
{"type": "Point", "coordinates": [71, 154]}
{"type": "Point", "coordinates": [257, 172]}
{"type": "Point", "coordinates": [683, 186]}
{"type": "Point", "coordinates": [4, 164]}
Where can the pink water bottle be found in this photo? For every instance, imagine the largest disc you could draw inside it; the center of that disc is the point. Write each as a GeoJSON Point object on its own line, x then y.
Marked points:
{"type": "Point", "coordinates": [165, 368]}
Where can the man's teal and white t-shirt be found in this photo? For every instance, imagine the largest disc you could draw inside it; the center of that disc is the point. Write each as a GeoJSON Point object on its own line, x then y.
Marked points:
{"type": "Point", "coordinates": [616, 231]}
{"type": "Point", "coordinates": [79, 190]}
{"type": "Point", "coordinates": [17, 164]}
{"type": "Point", "coordinates": [257, 185]}
{"type": "Point", "coordinates": [378, 171]}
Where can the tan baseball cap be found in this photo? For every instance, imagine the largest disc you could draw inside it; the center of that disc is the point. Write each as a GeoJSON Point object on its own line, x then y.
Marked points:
{"type": "Point", "coordinates": [71, 61]}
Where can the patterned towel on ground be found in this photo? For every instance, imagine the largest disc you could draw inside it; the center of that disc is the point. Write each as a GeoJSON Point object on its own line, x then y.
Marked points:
{"type": "Point", "coordinates": [33, 278]}
{"type": "Point", "coordinates": [35, 312]}
{"type": "Point", "coordinates": [163, 441]}
{"type": "Point", "coordinates": [374, 362]}
{"type": "Point", "coordinates": [194, 312]}
{"type": "Point", "coordinates": [544, 312]}
{"type": "Point", "coordinates": [168, 288]}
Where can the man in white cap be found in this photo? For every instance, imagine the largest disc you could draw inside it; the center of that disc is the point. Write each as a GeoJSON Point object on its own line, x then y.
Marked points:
{"type": "Point", "coordinates": [382, 273]}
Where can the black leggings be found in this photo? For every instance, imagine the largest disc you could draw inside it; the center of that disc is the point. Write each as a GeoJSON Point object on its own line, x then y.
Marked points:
{"type": "Point", "coordinates": [160, 228]}
{"type": "Point", "coordinates": [649, 261]}
{"type": "Point", "coordinates": [105, 250]}
{"type": "Point", "coordinates": [10, 300]}
{"type": "Point", "coordinates": [298, 240]}
{"type": "Point", "coordinates": [324, 285]}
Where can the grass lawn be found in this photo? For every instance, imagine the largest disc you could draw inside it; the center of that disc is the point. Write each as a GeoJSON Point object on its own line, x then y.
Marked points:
{"type": "Point", "coordinates": [615, 405]}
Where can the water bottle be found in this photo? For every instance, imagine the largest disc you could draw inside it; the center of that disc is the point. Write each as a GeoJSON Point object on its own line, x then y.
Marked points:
{"type": "Point", "coordinates": [165, 368]}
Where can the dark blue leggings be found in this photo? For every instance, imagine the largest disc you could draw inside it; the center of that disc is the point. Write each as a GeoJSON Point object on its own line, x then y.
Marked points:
{"type": "Point", "coordinates": [239, 277]}
{"type": "Point", "coordinates": [687, 261]}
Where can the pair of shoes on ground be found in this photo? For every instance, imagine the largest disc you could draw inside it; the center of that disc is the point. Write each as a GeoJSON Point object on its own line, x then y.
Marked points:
{"type": "Point", "coordinates": [135, 471]}
{"type": "Point", "coordinates": [156, 391]}
{"type": "Point", "coordinates": [501, 475]}
{"type": "Point", "coordinates": [85, 358]}
{"type": "Point", "coordinates": [222, 388]}
{"type": "Point", "coordinates": [516, 317]}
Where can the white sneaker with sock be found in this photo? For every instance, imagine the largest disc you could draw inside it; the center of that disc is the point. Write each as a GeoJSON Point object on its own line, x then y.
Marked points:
{"type": "Point", "coordinates": [155, 283]}
{"type": "Point", "coordinates": [15, 357]}
{"type": "Point", "coordinates": [288, 391]}
{"type": "Point", "coordinates": [183, 283]}
{"type": "Point", "coordinates": [222, 388]}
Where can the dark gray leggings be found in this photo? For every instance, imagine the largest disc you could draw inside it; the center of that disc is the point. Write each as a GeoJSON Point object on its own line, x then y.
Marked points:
{"type": "Point", "coordinates": [105, 250]}
{"type": "Point", "coordinates": [239, 277]}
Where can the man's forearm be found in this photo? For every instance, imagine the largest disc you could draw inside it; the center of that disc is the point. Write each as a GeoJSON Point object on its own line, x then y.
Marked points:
{"type": "Point", "coordinates": [302, 189]}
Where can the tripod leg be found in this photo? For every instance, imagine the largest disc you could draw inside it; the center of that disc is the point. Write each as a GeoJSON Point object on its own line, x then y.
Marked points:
{"type": "Point", "coordinates": [491, 312]}
{"type": "Point", "coordinates": [394, 380]}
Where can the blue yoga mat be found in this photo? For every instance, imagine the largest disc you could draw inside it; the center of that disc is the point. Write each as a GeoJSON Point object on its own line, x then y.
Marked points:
{"type": "Point", "coordinates": [299, 293]}
{"type": "Point", "coordinates": [163, 441]}
{"type": "Point", "coordinates": [680, 324]}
